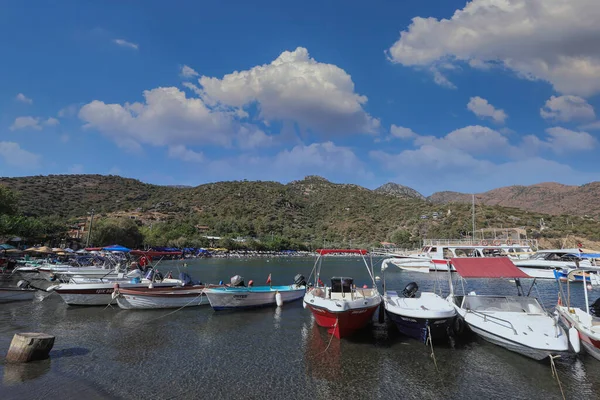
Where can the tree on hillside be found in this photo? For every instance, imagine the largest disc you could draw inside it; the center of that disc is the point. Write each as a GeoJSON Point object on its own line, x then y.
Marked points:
{"type": "Point", "coordinates": [8, 201]}
{"type": "Point", "coordinates": [123, 231]}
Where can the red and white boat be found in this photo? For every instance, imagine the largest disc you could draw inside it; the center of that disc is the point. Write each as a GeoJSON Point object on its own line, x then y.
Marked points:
{"type": "Point", "coordinates": [342, 308]}
{"type": "Point", "coordinates": [584, 326]}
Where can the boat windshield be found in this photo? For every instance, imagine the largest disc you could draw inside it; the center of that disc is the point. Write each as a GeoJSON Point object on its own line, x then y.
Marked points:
{"type": "Point", "coordinates": [517, 304]}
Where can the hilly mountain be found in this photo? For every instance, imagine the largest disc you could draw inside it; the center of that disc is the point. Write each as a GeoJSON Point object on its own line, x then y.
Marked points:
{"type": "Point", "coordinates": [312, 210]}
{"type": "Point", "coordinates": [551, 198]}
{"type": "Point", "coordinates": [400, 191]}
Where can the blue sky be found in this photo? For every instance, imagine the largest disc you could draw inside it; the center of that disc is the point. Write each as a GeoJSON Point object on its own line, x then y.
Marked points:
{"type": "Point", "coordinates": [436, 95]}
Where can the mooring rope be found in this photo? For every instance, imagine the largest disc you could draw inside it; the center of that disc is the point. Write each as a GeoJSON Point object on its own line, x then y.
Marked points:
{"type": "Point", "coordinates": [430, 342]}
{"type": "Point", "coordinates": [555, 374]}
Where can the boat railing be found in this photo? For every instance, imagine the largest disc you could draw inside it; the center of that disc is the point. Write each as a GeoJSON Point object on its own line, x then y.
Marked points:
{"type": "Point", "coordinates": [486, 316]}
{"type": "Point", "coordinates": [533, 243]}
{"type": "Point", "coordinates": [393, 250]}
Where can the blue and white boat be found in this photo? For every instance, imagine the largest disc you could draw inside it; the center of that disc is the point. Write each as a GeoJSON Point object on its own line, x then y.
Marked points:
{"type": "Point", "coordinates": [421, 317]}
{"type": "Point", "coordinates": [418, 316]}
{"type": "Point", "coordinates": [241, 297]}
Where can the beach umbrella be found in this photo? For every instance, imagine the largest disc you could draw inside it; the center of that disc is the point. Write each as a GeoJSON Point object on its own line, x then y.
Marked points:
{"type": "Point", "coordinates": [31, 249]}
{"type": "Point", "coordinates": [44, 250]}
{"type": "Point", "coordinates": [68, 250]}
{"type": "Point", "coordinates": [57, 249]}
{"type": "Point", "coordinates": [6, 246]}
{"type": "Point", "coordinates": [81, 251]}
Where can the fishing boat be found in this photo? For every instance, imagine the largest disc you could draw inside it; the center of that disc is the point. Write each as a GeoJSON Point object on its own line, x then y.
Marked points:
{"type": "Point", "coordinates": [420, 317]}
{"type": "Point", "coordinates": [342, 308]}
{"type": "Point", "coordinates": [517, 323]}
{"type": "Point", "coordinates": [98, 291]}
{"type": "Point", "coordinates": [161, 297]}
{"type": "Point", "coordinates": [583, 325]}
{"type": "Point", "coordinates": [238, 296]}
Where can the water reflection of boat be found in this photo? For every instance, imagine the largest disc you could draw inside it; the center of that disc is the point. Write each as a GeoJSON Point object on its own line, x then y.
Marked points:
{"type": "Point", "coordinates": [341, 307]}
{"type": "Point", "coordinates": [322, 355]}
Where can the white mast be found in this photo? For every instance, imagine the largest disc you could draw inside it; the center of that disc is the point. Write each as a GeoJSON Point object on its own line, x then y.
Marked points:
{"type": "Point", "coordinates": [473, 237]}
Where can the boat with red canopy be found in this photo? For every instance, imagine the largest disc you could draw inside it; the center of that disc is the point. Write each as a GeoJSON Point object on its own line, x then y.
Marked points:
{"type": "Point", "coordinates": [342, 308]}
{"type": "Point", "coordinates": [517, 323]}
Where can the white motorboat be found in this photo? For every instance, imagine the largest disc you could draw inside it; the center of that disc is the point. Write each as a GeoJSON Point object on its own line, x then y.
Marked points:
{"type": "Point", "coordinates": [420, 317]}
{"type": "Point", "coordinates": [517, 323]}
{"type": "Point", "coordinates": [543, 263]}
{"type": "Point", "coordinates": [583, 325]}
{"type": "Point", "coordinates": [99, 291]}
{"type": "Point", "coordinates": [162, 297]}
{"type": "Point", "coordinates": [437, 252]}
{"type": "Point", "coordinates": [237, 297]}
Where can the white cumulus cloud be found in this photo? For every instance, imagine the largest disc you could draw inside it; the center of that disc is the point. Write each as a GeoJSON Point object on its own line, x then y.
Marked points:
{"type": "Point", "coordinates": [401, 132]}
{"type": "Point", "coordinates": [125, 43]}
{"type": "Point", "coordinates": [480, 107]}
{"type": "Point", "coordinates": [295, 87]}
{"type": "Point", "coordinates": [180, 152]}
{"type": "Point", "coordinates": [563, 140]}
{"type": "Point", "coordinates": [26, 123]}
{"type": "Point", "coordinates": [557, 41]}
{"type": "Point", "coordinates": [567, 108]}
{"type": "Point", "coordinates": [188, 72]}
{"type": "Point", "coordinates": [23, 99]}
{"type": "Point", "coordinates": [12, 154]}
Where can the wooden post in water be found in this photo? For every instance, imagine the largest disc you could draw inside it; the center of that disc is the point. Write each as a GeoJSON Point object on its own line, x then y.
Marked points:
{"type": "Point", "coordinates": [29, 346]}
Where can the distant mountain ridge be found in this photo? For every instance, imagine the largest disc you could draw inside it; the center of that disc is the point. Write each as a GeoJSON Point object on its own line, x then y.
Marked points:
{"type": "Point", "coordinates": [399, 190]}
{"type": "Point", "coordinates": [548, 197]}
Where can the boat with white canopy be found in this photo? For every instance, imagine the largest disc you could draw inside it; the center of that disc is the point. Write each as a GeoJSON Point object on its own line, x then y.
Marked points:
{"type": "Point", "coordinates": [517, 323]}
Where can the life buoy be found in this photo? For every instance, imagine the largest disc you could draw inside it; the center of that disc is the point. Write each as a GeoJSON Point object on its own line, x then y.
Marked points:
{"type": "Point", "coordinates": [496, 243]}
{"type": "Point", "coordinates": [484, 243]}
{"type": "Point", "coordinates": [509, 242]}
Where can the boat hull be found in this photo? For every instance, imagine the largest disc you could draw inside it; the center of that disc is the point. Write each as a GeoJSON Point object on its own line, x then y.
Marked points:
{"type": "Point", "coordinates": [342, 323]}
{"type": "Point", "coordinates": [141, 301]}
{"type": "Point", "coordinates": [235, 298]}
{"type": "Point", "coordinates": [82, 294]}
{"type": "Point", "coordinates": [8, 295]}
{"type": "Point", "coordinates": [590, 340]}
{"type": "Point", "coordinates": [420, 328]}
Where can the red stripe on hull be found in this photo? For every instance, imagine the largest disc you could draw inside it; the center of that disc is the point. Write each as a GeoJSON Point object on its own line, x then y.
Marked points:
{"type": "Point", "coordinates": [344, 323]}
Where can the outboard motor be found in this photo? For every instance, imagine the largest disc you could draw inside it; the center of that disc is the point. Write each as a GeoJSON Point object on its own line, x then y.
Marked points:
{"type": "Point", "coordinates": [595, 307]}
{"type": "Point", "coordinates": [186, 279]}
{"type": "Point", "coordinates": [237, 280]}
{"type": "Point", "coordinates": [23, 284]}
{"type": "Point", "coordinates": [299, 280]}
{"type": "Point", "coordinates": [410, 290]}
{"type": "Point", "coordinates": [150, 274]}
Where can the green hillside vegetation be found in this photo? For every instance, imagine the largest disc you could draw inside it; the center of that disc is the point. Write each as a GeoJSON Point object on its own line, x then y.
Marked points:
{"type": "Point", "coordinates": [309, 213]}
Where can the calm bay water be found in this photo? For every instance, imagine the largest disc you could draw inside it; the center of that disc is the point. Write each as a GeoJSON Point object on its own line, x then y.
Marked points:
{"type": "Point", "coordinates": [271, 353]}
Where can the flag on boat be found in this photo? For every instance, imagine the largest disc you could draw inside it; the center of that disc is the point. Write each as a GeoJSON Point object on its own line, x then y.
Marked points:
{"type": "Point", "coordinates": [269, 279]}
{"type": "Point", "coordinates": [321, 282]}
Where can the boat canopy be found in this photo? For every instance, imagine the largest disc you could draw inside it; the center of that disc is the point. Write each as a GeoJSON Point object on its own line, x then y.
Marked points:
{"type": "Point", "coordinates": [331, 251]}
{"type": "Point", "coordinates": [487, 267]}
{"type": "Point", "coordinates": [116, 247]}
